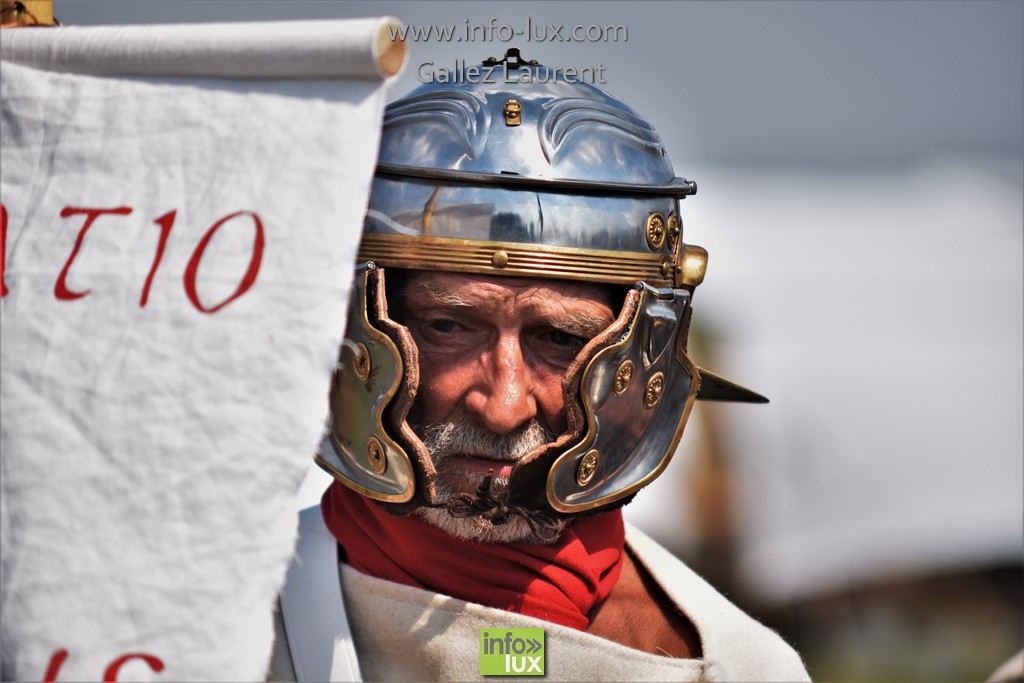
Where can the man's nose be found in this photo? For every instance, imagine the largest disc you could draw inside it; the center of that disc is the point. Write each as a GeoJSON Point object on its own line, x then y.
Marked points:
{"type": "Point", "coordinates": [504, 400]}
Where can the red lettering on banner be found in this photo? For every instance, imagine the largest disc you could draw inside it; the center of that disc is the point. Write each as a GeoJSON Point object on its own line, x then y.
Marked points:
{"type": "Point", "coordinates": [3, 249]}
{"type": "Point", "coordinates": [60, 290]}
{"type": "Point", "coordinates": [110, 675]}
{"type": "Point", "coordinates": [56, 662]}
{"type": "Point", "coordinates": [166, 222]}
{"type": "Point", "coordinates": [247, 280]}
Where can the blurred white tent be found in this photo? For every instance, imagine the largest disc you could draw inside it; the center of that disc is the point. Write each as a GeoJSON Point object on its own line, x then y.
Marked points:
{"type": "Point", "coordinates": [882, 312]}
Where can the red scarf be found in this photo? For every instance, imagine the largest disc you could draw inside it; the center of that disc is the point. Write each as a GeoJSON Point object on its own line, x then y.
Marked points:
{"type": "Point", "coordinates": [559, 582]}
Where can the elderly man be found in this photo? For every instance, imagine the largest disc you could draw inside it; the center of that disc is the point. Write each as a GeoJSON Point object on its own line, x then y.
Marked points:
{"type": "Point", "coordinates": [514, 370]}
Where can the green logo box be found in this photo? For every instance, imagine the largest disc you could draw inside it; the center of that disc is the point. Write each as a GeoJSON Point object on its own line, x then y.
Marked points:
{"type": "Point", "coordinates": [511, 652]}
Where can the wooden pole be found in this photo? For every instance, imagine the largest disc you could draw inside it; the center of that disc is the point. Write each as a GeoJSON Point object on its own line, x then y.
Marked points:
{"type": "Point", "coordinates": [15, 13]}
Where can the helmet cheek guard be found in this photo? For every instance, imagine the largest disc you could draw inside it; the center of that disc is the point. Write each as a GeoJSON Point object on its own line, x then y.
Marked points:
{"type": "Point", "coordinates": [370, 445]}
{"type": "Point", "coordinates": [636, 395]}
{"type": "Point", "coordinates": [576, 186]}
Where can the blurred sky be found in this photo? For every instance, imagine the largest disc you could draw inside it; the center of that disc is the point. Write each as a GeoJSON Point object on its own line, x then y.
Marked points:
{"type": "Point", "coordinates": [827, 83]}
{"type": "Point", "coordinates": [860, 169]}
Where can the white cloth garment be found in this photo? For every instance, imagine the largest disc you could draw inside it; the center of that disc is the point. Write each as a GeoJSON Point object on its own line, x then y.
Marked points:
{"type": "Point", "coordinates": [404, 633]}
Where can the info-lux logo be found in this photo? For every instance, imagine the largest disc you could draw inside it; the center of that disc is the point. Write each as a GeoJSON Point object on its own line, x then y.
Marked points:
{"type": "Point", "coordinates": [511, 652]}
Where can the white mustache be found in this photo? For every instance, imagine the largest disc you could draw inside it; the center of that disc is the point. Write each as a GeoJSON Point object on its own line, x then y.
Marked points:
{"type": "Point", "coordinates": [464, 437]}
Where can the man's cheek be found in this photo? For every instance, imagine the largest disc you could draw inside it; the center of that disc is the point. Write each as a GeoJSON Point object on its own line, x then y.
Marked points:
{"type": "Point", "coordinates": [438, 394]}
{"type": "Point", "coordinates": [551, 402]}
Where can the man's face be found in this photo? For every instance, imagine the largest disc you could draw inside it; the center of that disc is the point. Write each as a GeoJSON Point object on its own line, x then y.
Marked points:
{"type": "Point", "coordinates": [492, 355]}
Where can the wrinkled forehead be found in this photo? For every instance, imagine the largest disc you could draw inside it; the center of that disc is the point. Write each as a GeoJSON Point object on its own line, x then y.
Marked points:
{"type": "Point", "coordinates": [470, 290]}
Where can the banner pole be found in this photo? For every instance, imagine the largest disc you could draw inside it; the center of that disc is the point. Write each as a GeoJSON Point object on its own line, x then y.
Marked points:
{"type": "Point", "coordinates": [17, 13]}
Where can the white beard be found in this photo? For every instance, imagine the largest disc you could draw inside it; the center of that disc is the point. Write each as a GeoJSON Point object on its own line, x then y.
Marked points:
{"type": "Point", "coordinates": [464, 437]}
{"type": "Point", "coordinates": [478, 528]}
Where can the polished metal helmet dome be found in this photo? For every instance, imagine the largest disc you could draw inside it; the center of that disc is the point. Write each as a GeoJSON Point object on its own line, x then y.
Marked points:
{"type": "Point", "coordinates": [544, 177]}
{"type": "Point", "coordinates": [526, 173]}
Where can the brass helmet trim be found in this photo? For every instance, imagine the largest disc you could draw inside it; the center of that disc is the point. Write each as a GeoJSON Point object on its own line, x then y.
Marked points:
{"type": "Point", "coordinates": [522, 260]}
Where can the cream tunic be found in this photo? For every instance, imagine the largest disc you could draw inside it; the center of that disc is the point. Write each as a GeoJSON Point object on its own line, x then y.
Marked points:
{"type": "Point", "coordinates": [408, 634]}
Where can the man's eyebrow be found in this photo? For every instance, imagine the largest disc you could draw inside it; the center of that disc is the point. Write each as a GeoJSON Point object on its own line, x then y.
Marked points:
{"type": "Point", "coordinates": [577, 323]}
{"type": "Point", "coordinates": [580, 324]}
{"type": "Point", "coordinates": [442, 296]}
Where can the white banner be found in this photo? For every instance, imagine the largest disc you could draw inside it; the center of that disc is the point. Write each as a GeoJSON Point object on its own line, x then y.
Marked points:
{"type": "Point", "coordinates": [176, 260]}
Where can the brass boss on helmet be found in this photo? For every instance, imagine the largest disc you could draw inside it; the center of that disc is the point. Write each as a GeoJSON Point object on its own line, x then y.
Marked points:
{"type": "Point", "coordinates": [543, 178]}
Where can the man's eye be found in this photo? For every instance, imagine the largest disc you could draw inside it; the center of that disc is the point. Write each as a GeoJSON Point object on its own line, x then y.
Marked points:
{"type": "Point", "coordinates": [565, 339]}
{"type": "Point", "coordinates": [441, 325]}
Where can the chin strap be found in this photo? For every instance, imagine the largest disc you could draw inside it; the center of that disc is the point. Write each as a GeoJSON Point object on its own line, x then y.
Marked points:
{"type": "Point", "coordinates": [313, 608]}
{"type": "Point", "coordinates": [497, 510]}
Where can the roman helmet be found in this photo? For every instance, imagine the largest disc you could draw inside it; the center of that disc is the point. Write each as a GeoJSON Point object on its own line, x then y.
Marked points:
{"type": "Point", "coordinates": [527, 173]}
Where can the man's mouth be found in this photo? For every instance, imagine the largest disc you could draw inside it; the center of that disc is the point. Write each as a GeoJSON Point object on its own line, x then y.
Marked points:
{"type": "Point", "coordinates": [481, 466]}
